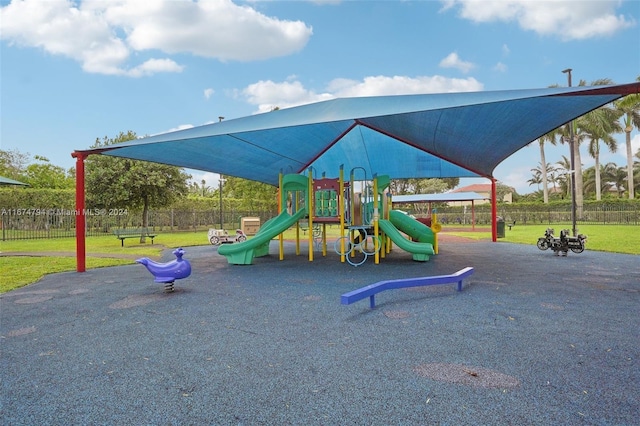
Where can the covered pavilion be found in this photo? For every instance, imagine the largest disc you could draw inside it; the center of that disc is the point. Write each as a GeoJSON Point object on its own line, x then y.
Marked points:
{"type": "Point", "coordinates": [406, 136]}
{"type": "Point", "coordinates": [442, 198]}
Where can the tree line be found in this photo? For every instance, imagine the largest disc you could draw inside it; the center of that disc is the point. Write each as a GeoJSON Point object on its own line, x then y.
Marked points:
{"type": "Point", "coordinates": [594, 129]}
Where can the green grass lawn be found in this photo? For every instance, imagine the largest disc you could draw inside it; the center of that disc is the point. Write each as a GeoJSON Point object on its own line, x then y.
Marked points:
{"type": "Point", "coordinates": [18, 271]}
{"type": "Point", "coordinates": [22, 270]}
{"type": "Point", "coordinates": [609, 238]}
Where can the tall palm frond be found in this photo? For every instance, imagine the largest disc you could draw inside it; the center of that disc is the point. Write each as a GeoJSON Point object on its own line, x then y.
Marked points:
{"type": "Point", "coordinates": [629, 106]}
{"type": "Point", "coordinates": [600, 125]}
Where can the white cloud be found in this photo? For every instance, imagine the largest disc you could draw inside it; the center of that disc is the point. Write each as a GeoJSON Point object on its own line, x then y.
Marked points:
{"type": "Point", "coordinates": [267, 95]}
{"type": "Point", "coordinates": [453, 61]}
{"type": "Point", "coordinates": [517, 178]}
{"type": "Point", "coordinates": [500, 67]}
{"type": "Point", "coordinates": [402, 85]}
{"type": "Point", "coordinates": [102, 35]}
{"type": "Point", "coordinates": [153, 66]}
{"type": "Point", "coordinates": [569, 20]}
{"type": "Point", "coordinates": [60, 28]}
{"type": "Point", "coordinates": [620, 156]}
{"type": "Point", "coordinates": [212, 180]}
{"type": "Point", "coordinates": [635, 144]}
{"type": "Point", "coordinates": [208, 92]}
{"type": "Point", "coordinates": [175, 129]}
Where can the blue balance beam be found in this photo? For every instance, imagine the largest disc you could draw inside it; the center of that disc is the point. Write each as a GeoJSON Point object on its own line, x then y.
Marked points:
{"type": "Point", "coordinates": [371, 290]}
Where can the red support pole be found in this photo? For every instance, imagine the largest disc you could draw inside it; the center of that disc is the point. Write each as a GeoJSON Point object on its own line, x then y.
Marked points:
{"type": "Point", "coordinates": [81, 251]}
{"type": "Point", "coordinates": [494, 212]}
{"type": "Point", "coordinates": [473, 216]}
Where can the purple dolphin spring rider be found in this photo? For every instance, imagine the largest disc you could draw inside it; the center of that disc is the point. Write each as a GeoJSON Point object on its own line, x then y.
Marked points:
{"type": "Point", "coordinates": [167, 273]}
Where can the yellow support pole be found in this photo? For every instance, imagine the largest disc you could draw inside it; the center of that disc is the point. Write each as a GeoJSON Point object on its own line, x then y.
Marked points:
{"type": "Point", "coordinates": [324, 239]}
{"type": "Point", "coordinates": [296, 206]}
{"type": "Point", "coordinates": [353, 196]}
{"type": "Point", "coordinates": [341, 211]}
{"type": "Point", "coordinates": [435, 227]}
{"type": "Point", "coordinates": [280, 207]}
{"type": "Point", "coordinates": [310, 207]}
{"type": "Point", "coordinates": [387, 214]}
{"type": "Point", "coordinates": [376, 216]}
{"type": "Point", "coordinates": [352, 209]}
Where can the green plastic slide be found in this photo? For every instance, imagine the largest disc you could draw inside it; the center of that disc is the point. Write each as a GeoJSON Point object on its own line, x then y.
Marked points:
{"type": "Point", "coordinates": [420, 251]}
{"type": "Point", "coordinates": [243, 253]}
{"type": "Point", "coordinates": [416, 230]}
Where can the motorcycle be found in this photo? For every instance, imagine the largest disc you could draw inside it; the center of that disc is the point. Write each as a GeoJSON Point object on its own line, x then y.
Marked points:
{"type": "Point", "coordinates": [547, 241]}
{"type": "Point", "coordinates": [562, 244]}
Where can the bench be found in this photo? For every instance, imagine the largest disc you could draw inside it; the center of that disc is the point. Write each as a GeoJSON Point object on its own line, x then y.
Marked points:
{"type": "Point", "coordinates": [371, 290]}
{"type": "Point", "coordinates": [122, 234]}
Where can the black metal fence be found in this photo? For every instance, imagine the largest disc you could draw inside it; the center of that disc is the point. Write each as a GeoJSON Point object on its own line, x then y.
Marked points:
{"type": "Point", "coordinates": [537, 215]}
{"type": "Point", "coordinates": [22, 224]}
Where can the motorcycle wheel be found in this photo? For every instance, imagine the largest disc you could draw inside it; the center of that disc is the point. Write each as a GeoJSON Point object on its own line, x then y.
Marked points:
{"type": "Point", "coordinates": [542, 244]}
{"type": "Point", "coordinates": [578, 249]}
{"type": "Point", "coordinates": [242, 239]}
{"type": "Point", "coordinates": [214, 240]}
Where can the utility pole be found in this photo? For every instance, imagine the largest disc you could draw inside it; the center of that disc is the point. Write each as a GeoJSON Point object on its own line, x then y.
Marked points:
{"type": "Point", "coordinates": [572, 172]}
{"type": "Point", "coordinates": [220, 118]}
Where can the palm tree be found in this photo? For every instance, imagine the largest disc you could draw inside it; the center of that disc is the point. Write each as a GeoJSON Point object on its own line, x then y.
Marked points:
{"type": "Point", "coordinates": [597, 125]}
{"type": "Point", "coordinates": [205, 189]}
{"type": "Point", "coordinates": [536, 179]}
{"type": "Point", "coordinates": [579, 135]}
{"type": "Point", "coordinates": [613, 177]}
{"type": "Point", "coordinates": [553, 176]}
{"type": "Point", "coordinates": [564, 173]}
{"type": "Point", "coordinates": [636, 171]}
{"type": "Point", "coordinates": [550, 137]}
{"type": "Point", "coordinates": [590, 181]}
{"type": "Point", "coordinates": [629, 107]}
{"type": "Point", "coordinates": [616, 175]}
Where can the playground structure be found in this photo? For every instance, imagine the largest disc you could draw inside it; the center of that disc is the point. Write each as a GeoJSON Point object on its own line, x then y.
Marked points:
{"type": "Point", "coordinates": [361, 206]}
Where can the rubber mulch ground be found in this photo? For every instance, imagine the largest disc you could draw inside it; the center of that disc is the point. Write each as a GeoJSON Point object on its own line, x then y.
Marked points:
{"type": "Point", "coordinates": [533, 339]}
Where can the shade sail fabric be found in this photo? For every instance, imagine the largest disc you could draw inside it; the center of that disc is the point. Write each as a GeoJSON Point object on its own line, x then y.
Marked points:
{"type": "Point", "coordinates": [406, 136]}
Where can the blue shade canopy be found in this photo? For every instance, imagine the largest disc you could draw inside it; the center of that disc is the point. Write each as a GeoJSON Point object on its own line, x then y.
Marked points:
{"type": "Point", "coordinates": [409, 136]}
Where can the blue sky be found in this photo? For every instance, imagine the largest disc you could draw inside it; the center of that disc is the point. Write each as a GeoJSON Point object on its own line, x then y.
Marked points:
{"type": "Point", "coordinates": [74, 71]}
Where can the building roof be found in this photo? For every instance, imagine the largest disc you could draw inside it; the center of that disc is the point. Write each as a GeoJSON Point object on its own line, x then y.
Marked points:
{"type": "Point", "coordinates": [444, 197]}
{"type": "Point", "coordinates": [7, 181]}
{"type": "Point", "coordinates": [408, 136]}
{"type": "Point", "coordinates": [476, 187]}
